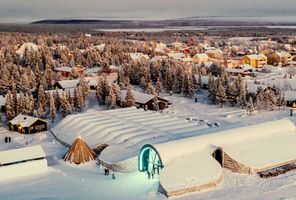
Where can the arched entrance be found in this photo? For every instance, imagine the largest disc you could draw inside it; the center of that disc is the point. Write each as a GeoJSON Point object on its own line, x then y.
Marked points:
{"type": "Point", "coordinates": [218, 155]}
{"type": "Point", "coordinates": [149, 160]}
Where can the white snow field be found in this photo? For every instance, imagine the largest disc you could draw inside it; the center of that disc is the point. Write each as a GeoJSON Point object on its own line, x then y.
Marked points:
{"type": "Point", "coordinates": [67, 181]}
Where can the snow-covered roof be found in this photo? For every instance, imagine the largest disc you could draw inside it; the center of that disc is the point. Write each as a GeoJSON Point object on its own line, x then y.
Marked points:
{"type": "Point", "coordinates": [290, 95]}
{"type": "Point", "coordinates": [256, 56]}
{"type": "Point", "coordinates": [61, 91]}
{"type": "Point", "coordinates": [21, 154]}
{"type": "Point", "coordinates": [140, 97]}
{"type": "Point", "coordinates": [67, 84]}
{"type": "Point", "coordinates": [259, 147]}
{"type": "Point", "coordinates": [176, 55]}
{"type": "Point", "coordinates": [157, 58]}
{"type": "Point", "coordinates": [186, 59]}
{"type": "Point", "coordinates": [124, 130]}
{"type": "Point", "coordinates": [244, 66]}
{"type": "Point", "coordinates": [63, 69]}
{"type": "Point", "coordinates": [239, 136]}
{"type": "Point", "coordinates": [100, 47]}
{"type": "Point", "coordinates": [234, 70]}
{"type": "Point", "coordinates": [29, 45]}
{"type": "Point", "coordinates": [283, 54]}
{"type": "Point", "coordinates": [214, 51]}
{"type": "Point", "coordinates": [24, 120]}
{"type": "Point", "coordinates": [139, 56]}
{"type": "Point", "coordinates": [2, 100]}
{"type": "Point", "coordinates": [206, 64]}
{"type": "Point", "coordinates": [201, 56]}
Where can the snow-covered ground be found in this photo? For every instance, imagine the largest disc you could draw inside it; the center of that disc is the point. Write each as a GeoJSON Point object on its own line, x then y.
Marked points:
{"type": "Point", "coordinates": [66, 181]}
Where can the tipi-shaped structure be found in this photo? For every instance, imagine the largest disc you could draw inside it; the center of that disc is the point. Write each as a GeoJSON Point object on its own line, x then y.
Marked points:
{"type": "Point", "coordinates": [79, 152]}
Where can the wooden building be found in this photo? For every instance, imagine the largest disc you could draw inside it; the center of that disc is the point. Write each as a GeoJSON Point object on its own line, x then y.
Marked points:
{"type": "Point", "coordinates": [26, 124]}
{"type": "Point", "coordinates": [145, 101]}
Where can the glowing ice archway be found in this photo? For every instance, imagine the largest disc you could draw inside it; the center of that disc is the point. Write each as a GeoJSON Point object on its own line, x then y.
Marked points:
{"type": "Point", "coordinates": [149, 158]}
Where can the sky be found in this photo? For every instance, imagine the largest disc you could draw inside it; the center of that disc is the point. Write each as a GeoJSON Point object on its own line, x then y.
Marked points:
{"type": "Point", "coordinates": [32, 10]}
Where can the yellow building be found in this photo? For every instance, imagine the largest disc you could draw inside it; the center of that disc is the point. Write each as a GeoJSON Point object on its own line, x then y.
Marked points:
{"type": "Point", "coordinates": [255, 60]}
{"type": "Point", "coordinates": [200, 57]}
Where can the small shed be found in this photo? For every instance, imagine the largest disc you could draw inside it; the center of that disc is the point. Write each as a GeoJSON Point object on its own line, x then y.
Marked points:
{"type": "Point", "coordinates": [22, 162]}
{"type": "Point", "coordinates": [26, 124]}
{"type": "Point", "coordinates": [79, 152]}
{"type": "Point", "coordinates": [145, 101]}
{"type": "Point", "coordinates": [67, 84]}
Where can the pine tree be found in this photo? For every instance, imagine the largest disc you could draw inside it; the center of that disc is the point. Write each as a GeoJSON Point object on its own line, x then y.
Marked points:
{"type": "Point", "coordinates": [41, 97]}
{"type": "Point", "coordinates": [10, 112]}
{"type": "Point", "coordinates": [41, 111]}
{"type": "Point", "coordinates": [212, 89]}
{"type": "Point", "coordinates": [143, 83]}
{"type": "Point", "coordinates": [99, 90]}
{"type": "Point", "coordinates": [243, 94]}
{"type": "Point", "coordinates": [150, 89]}
{"type": "Point", "coordinates": [232, 93]}
{"type": "Point", "coordinates": [158, 86]}
{"type": "Point", "coordinates": [178, 82]}
{"type": "Point", "coordinates": [57, 99]}
{"type": "Point", "coordinates": [281, 101]}
{"type": "Point", "coordinates": [130, 98]}
{"type": "Point", "coordinates": [169, 80]}
{"type": "Point", "coordinates": [65, 105]}
{"type": "Point", "coordinates": [250, 106]}
{"type": "Point", "coordinates": [111, 98]}
{"type": "Point", "coordinates": [84, 87]}
{"type": "Point", "coordinates": [52, 108]}
{"type": "Point", "coordinates": [194, 82]}
{"type": "Point", "coordinates": [79, 101]}
{"type": "Point", "coordinates": [20, 106]}
{"type": "Point", "coordinates": [221, 93]}
{"type": "Point", "coordinates": [199, 79]}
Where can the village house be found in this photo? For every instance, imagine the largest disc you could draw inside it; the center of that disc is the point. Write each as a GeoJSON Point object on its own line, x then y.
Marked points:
{"type": "Point", "coordinates": [200, 57]}
{"type": "Point", "coordinates": [67, 71]}
{"type": "Point", "coordinates": [283, 56]}
{"type": "Point", "coordinates": [139, 56]}
{"type": "Point", "coordinates": [67, 84]}
{"type": "Point", "coordinates": [26, 124]}
{"type": "Point", "coordinates": [145, 101]}
{"type": "Point", "coordinates": [255, 60]}
{"type": "Point", "coordinates": [215, 54]}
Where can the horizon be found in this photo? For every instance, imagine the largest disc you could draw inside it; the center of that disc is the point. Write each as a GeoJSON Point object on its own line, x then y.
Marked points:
{"type": "Point", "coordinates": [36, 10]}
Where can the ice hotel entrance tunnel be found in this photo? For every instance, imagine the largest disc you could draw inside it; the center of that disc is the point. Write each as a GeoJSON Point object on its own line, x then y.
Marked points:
{"type": "Point", "coordinates": [149, 159]}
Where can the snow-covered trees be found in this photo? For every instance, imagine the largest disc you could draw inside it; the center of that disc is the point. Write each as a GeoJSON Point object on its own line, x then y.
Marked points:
{"type": "Point", "coordinates": [79, 101]}
{"type": "Point", "coordinates": [10, 106]}
{"type": "Point", "coordinates": [221, 93]}
{"type": "Point", "coordinates": [212, 89]}
{"type": "Point", "coordinates": [266, 99]}
{"type": "Point", "coordinates": [66, 107]}
{"type": "Point", "coordinates": [250, 106]}
{"type": "Point", "coordinates": [84, 87]}
{"type": "Point", "coordinates": [187, 87]}
{"type": "Point", "coordinates": [281, 101]}
{"type": "Point", "coordinates": [242, 94]}
{"type": "Point", "coordinates": [41, 98]}
{"type": "Point", "coordinates": [130, 98]}
{"type": "Point", "coordinates": [150, 89]}
{"type": "Point", "coordinates": [52, 107]}
{"type": "Point", "coordinates": [102, 90]}
{"type": "Point", "coordinates": [158, 86]}
{"type": "Point", "coordinates": [111, 98]}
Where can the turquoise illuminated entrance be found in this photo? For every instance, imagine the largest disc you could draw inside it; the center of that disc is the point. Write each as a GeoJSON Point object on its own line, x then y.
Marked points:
{"type": "Point", "coordinates": [149, 159]}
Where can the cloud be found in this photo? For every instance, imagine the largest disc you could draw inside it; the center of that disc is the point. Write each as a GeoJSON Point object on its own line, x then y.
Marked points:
{"type": "Point", "coordinates": [140, 9]}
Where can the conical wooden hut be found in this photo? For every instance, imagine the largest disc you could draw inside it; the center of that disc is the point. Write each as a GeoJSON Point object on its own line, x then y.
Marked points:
{"type": "Point", "coordinates": [79, 152]}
